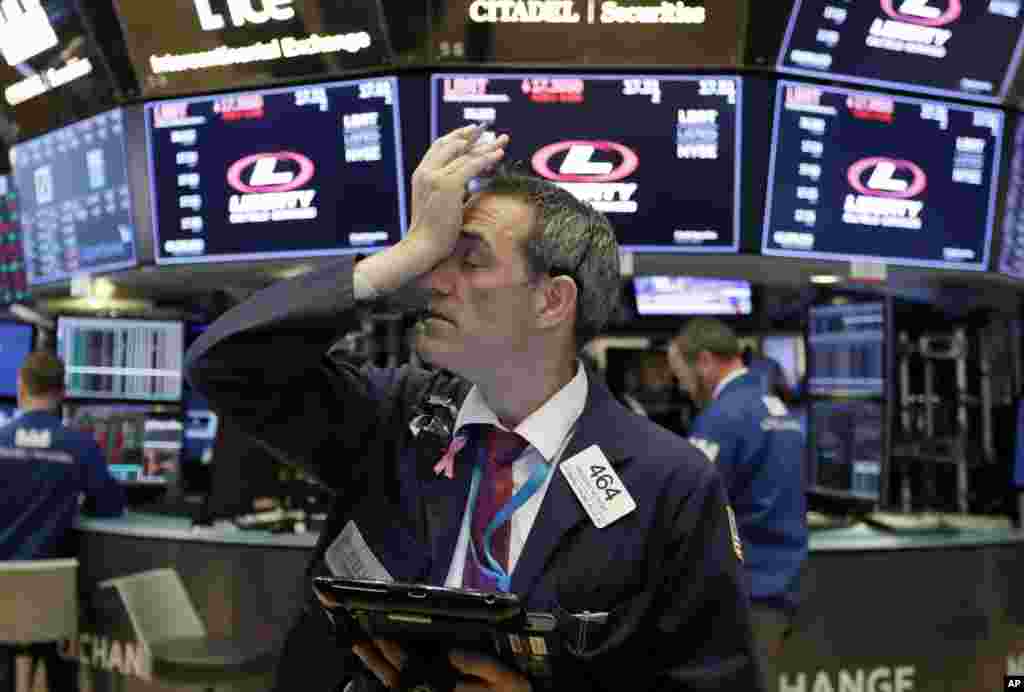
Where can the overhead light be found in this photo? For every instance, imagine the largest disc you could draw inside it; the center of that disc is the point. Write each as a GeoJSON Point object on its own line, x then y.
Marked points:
{"type": "Point", "coordinates": [103, 288]}
{"type": "Point", "coordinates": [293, 272]}
{"type": "Point", "coordinates": [825, 279]}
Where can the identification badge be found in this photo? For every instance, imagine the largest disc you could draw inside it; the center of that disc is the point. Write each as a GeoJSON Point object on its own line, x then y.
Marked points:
{"type": "Point", "coordinates": [598, 487]}
{"type": "Point", "coordinates": [350, 557]}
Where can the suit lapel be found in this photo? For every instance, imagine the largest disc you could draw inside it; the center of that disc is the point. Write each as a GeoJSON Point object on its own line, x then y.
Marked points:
{"type": "Point", "coordinates": [561, 511]}
{"type": "Point", "coordinates": [444, 501]}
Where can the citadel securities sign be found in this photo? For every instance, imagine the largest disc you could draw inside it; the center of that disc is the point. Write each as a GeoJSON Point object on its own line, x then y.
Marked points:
{"type": "Point", "coordinates": [566, 12]}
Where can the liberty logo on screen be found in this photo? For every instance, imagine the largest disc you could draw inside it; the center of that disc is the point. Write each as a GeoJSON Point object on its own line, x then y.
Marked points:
{"type": "Point", "coordinates": [590, 170]}
{"type": "Point", "coordinates": [915, 27]}
{"type": "Point", "coordinates": [922, 12]}
{"type": "Point", "coordinates": [884, 193]}
{"type": "Point", "coordinates": [269, 185]}
{"type": "Point", "coordinates": [242, 12]}
{"type": "Point", "coordinates": [25, 30]}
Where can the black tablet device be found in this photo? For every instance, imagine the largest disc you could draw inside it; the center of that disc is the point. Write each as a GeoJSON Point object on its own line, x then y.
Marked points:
{"type": "Point", "coordinates": [428, 621]}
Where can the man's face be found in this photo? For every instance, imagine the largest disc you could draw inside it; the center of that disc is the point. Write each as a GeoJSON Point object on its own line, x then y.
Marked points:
{"type": "Point", "coordinates": [690, 379]}
{"type": "Point", "coordinates": [482, 305]}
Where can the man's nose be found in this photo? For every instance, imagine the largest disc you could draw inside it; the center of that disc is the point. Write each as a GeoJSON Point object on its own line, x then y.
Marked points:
{"type": "Point", "coordinates": [441, 279]}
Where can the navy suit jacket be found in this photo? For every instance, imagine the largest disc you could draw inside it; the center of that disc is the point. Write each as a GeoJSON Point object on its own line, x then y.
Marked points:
{"type": "Point", "coordinates": [667, 574]}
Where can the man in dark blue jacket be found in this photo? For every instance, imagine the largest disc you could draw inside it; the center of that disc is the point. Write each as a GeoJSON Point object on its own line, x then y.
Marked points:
{"type": "Point", "coordinates": [47, 471]}
{"type": "Point", "coordinates": [611, 521]}
{"type": "Point", "coordinates": [759, 450]}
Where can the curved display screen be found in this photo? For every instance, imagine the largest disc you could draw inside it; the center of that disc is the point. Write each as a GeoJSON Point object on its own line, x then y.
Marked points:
{"type": "Point", "coordinates": [75, 200]}
{"type": "Point", "coordinates": [868, 175]}
{"type": "Point", "coordinates": [944, 47]}
{"type": "Point", "coordinates": [299, 172]}
{"type": "Point", "coordinates": [659, 155]}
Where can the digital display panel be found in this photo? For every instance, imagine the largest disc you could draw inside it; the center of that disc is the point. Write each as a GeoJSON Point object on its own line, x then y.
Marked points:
{"type": "Point", "coordinates": [121, 358]}
{"type": "Point", "coordinates": [298, 172]}
{"type": "Point", "coordinates": [633, 147]}
{"type": "Point", "coordinates": [685, 295]}
{"type": "Point", "coordinates": [942, 47]}
{"type": "Point", "coordinates": [142, 445]}
{"type": "Point", "coordinates": [15, 344]}
{"type": "Point", "coordinates": [847, 349]}
{"type": "Point", "coordinates": [590, 32]}
{"type": "Point", "coordinates": [13, 281]}
{"type": "Point", "coordinates": [847, 447]}
{"type": "Point", "coordinates": [1011, 255]}
{"type": "Point", "coordinates": [224, 44]}
{"type": "Point", "coordinates": [867, 175]}
{"type": "Point", "coordinates": [51, 68]}
{"type": "Point", "coordinates": [75, 201]}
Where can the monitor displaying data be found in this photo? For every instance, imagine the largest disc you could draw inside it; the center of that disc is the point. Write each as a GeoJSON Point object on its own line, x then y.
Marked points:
{"type": "Point", "coordinates": [846, 345]}
{"type": "Point", "coordinates": [121, 358]}
{"type": "Point", "coordinates": [847, 448]}
{"type": "Point", "coordinates": [298, 172]}
{"type": "Point", "coordinates": [1011, 254]}
{"type": "Point", "coordinates": [788, 351]}
{"type": "Point", "coordinates": [943, 47]}
{"type": "Point", "coordinates": [659, 155]}
{"type": "Point", "coordinates": [873, 176]}
{"type": "Point", "coordinates": [13, 282]}
{"type": "Point", "coordinates": [687, 295]}
{"type": "Point", "coordinates": [16, 341]}
{"type": "Point", "coordinates": [74, 200]}
{"type": "Point", "coordinates": [142, 445]}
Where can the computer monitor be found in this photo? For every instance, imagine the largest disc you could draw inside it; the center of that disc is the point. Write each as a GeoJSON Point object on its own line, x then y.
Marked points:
{"type": "Point", "coordinates": [201, 425]}
{"type": "Point", "coordinates": [107, 358]}
{"type": "Point", "coordinates": [75, 200]}
{"type": "Point", "coordinates": [659, 154]}
{"type": "Point", "coordinates": [142, 443]}
{"type": "Point", "coordinates": [689, 295]}
{"type": "Point", "coordinates": [846, 445]}
{"type": "Point", "coordinates": [303, 171]}
{"type": "Point", "coordinates": [868, 175]}
{"type": "Point", "coordinates": [846, 345]}
{"type": "Point", "coordinates": [16, 340]}
{"type": "Point", "coordinates": [849, 388]}
{"type": "Point", "coordinates": [948, 47]}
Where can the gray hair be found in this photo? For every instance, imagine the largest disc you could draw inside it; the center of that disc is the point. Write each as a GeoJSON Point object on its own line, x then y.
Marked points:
{"type": "Point", "coordinates": [569, 238]}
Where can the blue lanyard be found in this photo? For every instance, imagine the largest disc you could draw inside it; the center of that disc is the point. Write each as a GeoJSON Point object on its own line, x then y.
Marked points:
{"type": "Point", "coordinates": [536, 481]}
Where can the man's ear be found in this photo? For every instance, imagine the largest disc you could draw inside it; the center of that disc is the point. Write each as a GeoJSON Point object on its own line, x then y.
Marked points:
{"type": "Point", "coordinates": [557, 301]}
{"type": "Point", "coordinates": [705, 361]}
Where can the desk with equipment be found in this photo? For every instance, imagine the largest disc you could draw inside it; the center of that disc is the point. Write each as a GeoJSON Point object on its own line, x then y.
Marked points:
{"type": "Point", "coordinates": [961, 618]}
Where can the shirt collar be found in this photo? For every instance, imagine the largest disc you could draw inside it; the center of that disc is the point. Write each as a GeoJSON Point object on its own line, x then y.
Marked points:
{"type": "Point", "coordinates": [735, 374]}
{"type": "Point", "coordinates": [547, 427]}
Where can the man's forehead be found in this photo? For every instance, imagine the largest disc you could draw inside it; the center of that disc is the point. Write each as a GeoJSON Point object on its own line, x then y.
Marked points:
{"type": "Point", "coordinates": [503, 213]}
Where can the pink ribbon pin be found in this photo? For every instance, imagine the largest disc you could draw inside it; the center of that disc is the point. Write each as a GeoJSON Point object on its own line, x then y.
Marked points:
{"type": "Point", "coordinates": [447, 463]}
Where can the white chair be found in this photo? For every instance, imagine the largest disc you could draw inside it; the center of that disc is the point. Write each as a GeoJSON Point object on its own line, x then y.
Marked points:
{"type": "Point", "coordinates": [166, 622]}
{"type": "Point", "coordinates": [38, 605]}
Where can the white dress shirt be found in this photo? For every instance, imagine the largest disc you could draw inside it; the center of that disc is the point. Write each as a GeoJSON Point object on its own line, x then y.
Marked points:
{"type": "Point", "coordinates": [547, 430]}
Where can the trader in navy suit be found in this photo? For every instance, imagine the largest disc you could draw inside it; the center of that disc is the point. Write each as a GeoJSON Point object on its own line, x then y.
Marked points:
{"type": "Point", "coordinates": [758, 447]}
{"type": "Point", "coordinates": [515, 277]}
